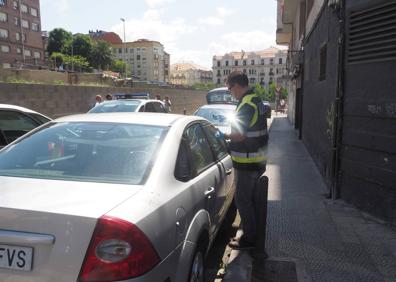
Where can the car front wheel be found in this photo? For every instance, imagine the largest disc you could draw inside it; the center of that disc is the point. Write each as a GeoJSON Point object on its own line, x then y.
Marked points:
{"type": "Point", "coordinates": [197, 267]}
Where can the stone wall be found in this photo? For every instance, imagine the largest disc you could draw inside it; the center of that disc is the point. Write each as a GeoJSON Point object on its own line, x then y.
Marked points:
{"type": "Point", "coordinates": [60, 100]}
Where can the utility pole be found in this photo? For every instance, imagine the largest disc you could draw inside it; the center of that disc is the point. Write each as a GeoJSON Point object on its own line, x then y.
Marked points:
{"type": "Point", "coordinates": [125, 74]}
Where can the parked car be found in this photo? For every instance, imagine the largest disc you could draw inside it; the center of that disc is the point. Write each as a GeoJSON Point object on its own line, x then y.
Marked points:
{"type": "Point", "coordinates": [220, 115]}
{"type": "Point", "coordinates": [268, 108]}
{"type": "Point", "coordinates": [220, 96]}
{"type": "Point", "coordinates": [130, 105]}
{"type": "Point", "coordinates": [103, 199]}
{"type": "Point", "coordinates": [15, 121]}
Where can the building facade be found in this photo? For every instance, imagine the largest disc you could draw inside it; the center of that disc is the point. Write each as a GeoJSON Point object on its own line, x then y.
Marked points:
{"type": "Point", "coordinates": [188, 74]}
{"type": "Point", "coordinates": [341, 65]}
{"type": "Point", "coordinates": [20, 33]}
{"type": "Point", "coordinates": [146, 59]}
{"type": "Point", "coordinates": [263, 67]}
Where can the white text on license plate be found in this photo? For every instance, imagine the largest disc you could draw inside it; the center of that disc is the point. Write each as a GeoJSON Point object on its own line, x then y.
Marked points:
{"type": "Point", "coordinates": [15, 257]}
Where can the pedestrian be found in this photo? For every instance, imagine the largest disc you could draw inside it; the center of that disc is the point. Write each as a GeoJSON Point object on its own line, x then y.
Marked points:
{"type": "Point", "coordinates": [109, 97]}
{"type": "Point", "coordinates": [158, 97]}
{"type": "Point", "coordinates": [248, 146]}
{"type": "Point", "coordinates": [98, 100]}
{"type": "Point", "coordinates": [168, 104]}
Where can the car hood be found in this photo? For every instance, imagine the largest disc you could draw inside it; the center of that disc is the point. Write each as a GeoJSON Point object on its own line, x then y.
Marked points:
{"type": "Point", "coordinates": [86, 199]}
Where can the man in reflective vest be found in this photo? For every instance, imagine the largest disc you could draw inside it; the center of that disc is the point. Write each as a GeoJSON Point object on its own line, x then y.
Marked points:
{"type": "Point", "coordinates": [249, 139]}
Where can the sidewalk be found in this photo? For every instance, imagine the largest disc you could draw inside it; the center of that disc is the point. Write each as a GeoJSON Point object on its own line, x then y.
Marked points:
{"type": "Point", "coordinates": [311, 238]}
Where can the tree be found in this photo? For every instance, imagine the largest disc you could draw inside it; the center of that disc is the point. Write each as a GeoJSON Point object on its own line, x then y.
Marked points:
{"type": "Point", "coordinates": [57, 39]}
{"type": "Point", "coordinates": [57, 59]}
{"type": "Point", "coordinates": [118, 66]}
{"type": "Point", "coordinates": [82, 46]}
{"type": "Point", "coordinates": [101, 55]}
{"type": "Point", "coordinates": [260, 91]}
{"type": "Point", "coordinates": [78, 62]}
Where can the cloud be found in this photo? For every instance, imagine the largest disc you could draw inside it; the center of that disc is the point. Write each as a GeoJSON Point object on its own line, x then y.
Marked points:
{"type": "Point", "coordinates": [224, 12]}
{"type": "Point", "coordinates": [155, 3]}
{"type": "Point", "coordinates": [152, 26]}
{"type": "Point", "coordinates": [212, 21]}
{"type": "Point", "coordinates": [60, 6]}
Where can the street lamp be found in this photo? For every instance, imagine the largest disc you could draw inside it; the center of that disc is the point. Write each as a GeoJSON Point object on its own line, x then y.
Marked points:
{"type": "Point", "coordinates": [123, 20]}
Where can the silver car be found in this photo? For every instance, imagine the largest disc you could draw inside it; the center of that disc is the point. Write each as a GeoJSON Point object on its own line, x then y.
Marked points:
{"type": "Point", "coordinates": [130, 105]}
{"type": "Point", "coordinates": [105, 199]}
{"type": "Point", "coordinates": [220, 115]}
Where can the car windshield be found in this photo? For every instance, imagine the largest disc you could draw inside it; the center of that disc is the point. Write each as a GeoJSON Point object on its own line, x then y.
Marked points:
{"type": "Point", "coordinates": [116, 106]}
{"type": "Point", "coordinates": [86, 151]}
{"type": "Point", "coordinates": [219, 117]}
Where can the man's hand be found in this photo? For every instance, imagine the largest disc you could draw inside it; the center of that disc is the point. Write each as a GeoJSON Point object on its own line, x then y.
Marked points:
{"type": "Point", "coordinates": [235, 137]}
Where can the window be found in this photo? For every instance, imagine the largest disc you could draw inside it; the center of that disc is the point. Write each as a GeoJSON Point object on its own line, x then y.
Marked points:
{"type": "Point", "coordinates": [15, 5]}
{"type": "Point", "coordinates": [24, 8]}
{"type": "Point", "coordinates": [159, 108]}
{"type": "Point", "coordinates": [119, 50]}
{"type": "Point", "coordinates": [323, 62]}
{"type": "Point", "coordinates": [218, 144]}
{"type": "Point", "coordinates": [244, 62]}
{"type": "Point", "coordinates": [244, 70]}
{"type": "Point", "coordinates": [19, 50]}
{"type": "Point", "coordinates": [3, 17]}
{"type": "Point", "coordinates": [252, 62]}
{"type": "Point", "coordinates": [137, 57]}
{"type": "Point", "coordinates": [14, 124]}
{"type": "Point", "coordinates": [271, 61]}
{"type": "Point", "coordinates": [28, 53]}
{"type": "Point", "coordinates": [150, 108]}
{"type": "Point", "coordinates": [126, 50]}
{"type": "Point", "coordinates": [3, 2]}
{"type": "Point", "coordinates": [218, 63]}
{"type": "Point", "coordinates": [183, 169]}
{"type": "Point", "coordinates": [201, 153]}
{"type": "Point", "coordinates": [33, 12]}
{"type": "Point", "coordinates": [16, 21]}
{"type": "Point", "coordinates": [3, 33]}
{"type": "Point", "coordinates": [280, 61]}
{"type": "Point", "coordinates": [37, 55]}
{"type": "Point", "coordinates": [35, 27]}
{"type": "Point", "coordinates": [25, 24]}
{"type": "Point", "coordinates": [236, 63]}
{"type": "Point", "coordinates": [226, 63]}
{"type": "Point", "coordinates": [5, 49]}
{"type": "Point", "coordinates": [262, 61]}
{"type": "Point", "coordinates": [218, 81]}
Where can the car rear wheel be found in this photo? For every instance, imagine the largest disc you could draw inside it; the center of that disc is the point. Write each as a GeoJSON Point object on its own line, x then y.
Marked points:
{"type": "Point", "coordinates": [197, 272]}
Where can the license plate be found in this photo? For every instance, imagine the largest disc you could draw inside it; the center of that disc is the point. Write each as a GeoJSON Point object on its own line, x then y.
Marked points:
{"type": "Point", "coordinates": [15, 257]}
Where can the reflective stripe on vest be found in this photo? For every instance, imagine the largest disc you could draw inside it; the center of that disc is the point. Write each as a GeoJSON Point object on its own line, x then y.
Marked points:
{"type": "Point", "coordinates": [248, 158]}
{"type": "Point", "coordinates": [256, 133]}
{"type": "Point", "coordinates": [248, 100]}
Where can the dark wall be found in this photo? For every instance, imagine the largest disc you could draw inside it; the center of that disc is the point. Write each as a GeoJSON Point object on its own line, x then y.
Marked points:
{"type": "Point", "coordinates": [368, 164]}
{"type": "Point", "coordinates": [319, 95]}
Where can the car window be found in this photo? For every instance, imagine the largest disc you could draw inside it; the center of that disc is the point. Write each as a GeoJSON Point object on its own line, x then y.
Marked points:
{"type": "Point", "coordinates": [14, 124]}
{"type": "Point", "coordinates": [40, 118]}
{"type": "Point", "coordinates": [85, 151]}
{"type": "Point", "coordinates": [219, 117]}
{"type": "Point", "coordinates": [150, 108]}
{"type": "Point", "coordinates": [116, 106]}
{"type": "Point", "coordinates": [159, 108]}
{"type": "Point", "coordinates": [201, 153]}
{"type": "Point", "coordinates": [183, 169]}
{"type": "Point", "coordinates": [216, 141]}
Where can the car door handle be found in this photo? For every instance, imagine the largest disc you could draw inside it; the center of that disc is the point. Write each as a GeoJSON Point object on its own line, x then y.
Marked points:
{"type": "Point", "coordinates": [228, 171]}
{"type": "Point", "coordinates": [208, 193]}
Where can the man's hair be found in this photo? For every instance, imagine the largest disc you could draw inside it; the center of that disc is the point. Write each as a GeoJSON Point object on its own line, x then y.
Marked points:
{"type": "Point", "coordinates": [237, 77]}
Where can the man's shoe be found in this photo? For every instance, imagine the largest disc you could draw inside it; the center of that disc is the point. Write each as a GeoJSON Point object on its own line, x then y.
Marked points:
{"type": "Point", "coordinates": [241, 245]}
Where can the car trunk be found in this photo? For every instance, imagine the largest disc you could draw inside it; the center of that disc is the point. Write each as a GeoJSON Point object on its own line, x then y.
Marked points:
{"type": "Point", "coordinates": [46, 225]}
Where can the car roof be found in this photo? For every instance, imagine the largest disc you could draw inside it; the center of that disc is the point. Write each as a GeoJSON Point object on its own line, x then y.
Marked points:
{"type": "Point", "coordinates": [138, 100]}
{"type": "Point", "coordinates": [160, 119]}
{"type": "Point", "coordinates": [18, 108]}
{"type": "Point", "coordinates": [219, 89]}
{"type": "Point", "coordinates": [219, 106]}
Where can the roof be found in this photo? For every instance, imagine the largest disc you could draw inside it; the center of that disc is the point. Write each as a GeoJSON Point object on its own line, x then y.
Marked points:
{"type": "Point", "coordinates": [188, 66]}
{"type": "Point", "coordinates": [139, 43]}
{"type": "Point", "coordinates": [219, 89]}
{"type": "Point", "coordinates": [133, 118]}
{"type": "Point", "coordinates": [269, 52]}
{"type": "Point", "coordinates": [18, 108]}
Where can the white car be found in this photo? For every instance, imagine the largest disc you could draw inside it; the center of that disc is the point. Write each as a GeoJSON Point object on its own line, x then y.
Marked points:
{"type": "Point", "coordinates": [130, 105]}
{"type": "Point", "coordinates": [102, 198]}
{"type": "Point", "coordinates": [220, 115]}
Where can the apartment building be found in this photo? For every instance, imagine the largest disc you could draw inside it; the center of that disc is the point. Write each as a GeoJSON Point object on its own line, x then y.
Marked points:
{"type": "Point", "coordinates": [263, 67]}
{"type": "Point", "coordinates": [20, 33]}
{"type": "Point", "coordinates": [188, 73]}
{"type": "Point", "coordinates": [146, 59]}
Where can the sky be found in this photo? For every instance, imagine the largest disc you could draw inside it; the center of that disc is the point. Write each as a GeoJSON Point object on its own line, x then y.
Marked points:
{"type": "Point", "coordinates": [190, 30]}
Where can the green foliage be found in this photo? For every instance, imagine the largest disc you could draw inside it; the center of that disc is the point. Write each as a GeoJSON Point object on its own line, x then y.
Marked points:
{"type": "Point", "coordinates": [57, 39]}
{"type": "Point", "coordinates": [79, 62]}
{"type": "Point", "coordinates": [80, 45]}
{"type": "Point", "coordinates": [260, 91]}
{"type": "Point", "coordinates": [57, 59]}
{"type": "Point", "coordinates": [284, 93]}
{"type": "Point", "coordinates": [204, 86]}
{"type": "Point", "coordinates": [118, 66]}
{"type": "Point", "coordinates": [101, 55]}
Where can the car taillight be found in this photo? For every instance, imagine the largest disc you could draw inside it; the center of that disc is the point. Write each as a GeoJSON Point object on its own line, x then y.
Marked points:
{"type": "Point", "coordinates": [118, 251]}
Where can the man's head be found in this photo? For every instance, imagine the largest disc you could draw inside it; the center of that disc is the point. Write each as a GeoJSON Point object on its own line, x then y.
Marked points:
{"type": "Point", "coordinates": [109, 97]}
{"type": "Point", "coordinates": [238, 84]}
{"type": "Point", "coordinates": [98, 98]}
{"type": "Point", "coordinates": [158, 97]}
